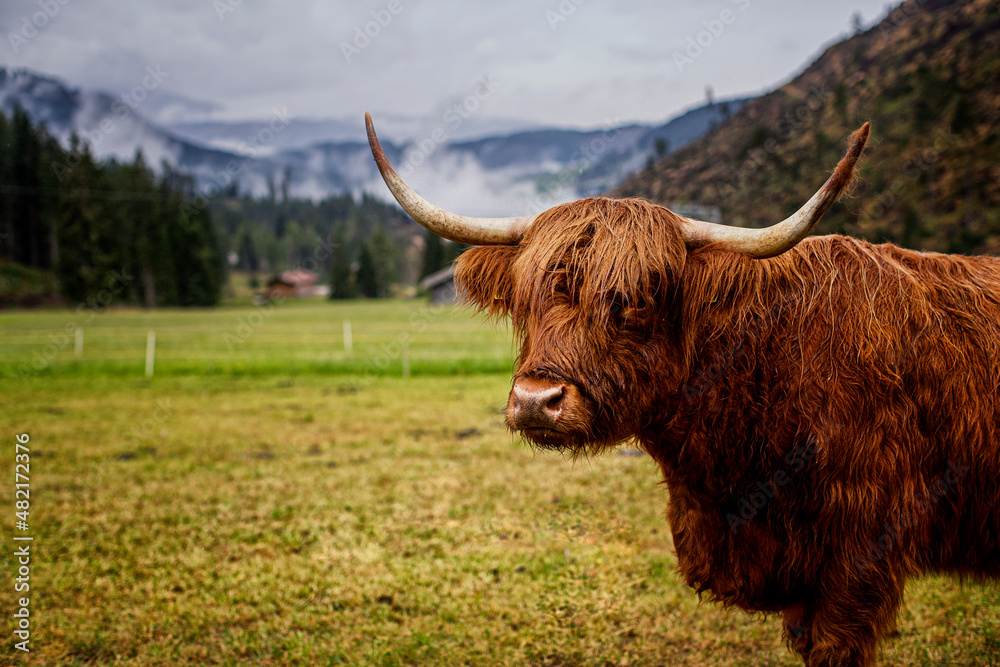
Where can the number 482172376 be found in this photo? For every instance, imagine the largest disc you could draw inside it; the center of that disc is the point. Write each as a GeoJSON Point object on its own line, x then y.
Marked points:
{"type": "Point", "coordinates": [22, 494]}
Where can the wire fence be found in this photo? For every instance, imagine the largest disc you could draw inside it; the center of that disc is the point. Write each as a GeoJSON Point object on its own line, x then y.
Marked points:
{"type": "Point", "coordinates": [371, 338]}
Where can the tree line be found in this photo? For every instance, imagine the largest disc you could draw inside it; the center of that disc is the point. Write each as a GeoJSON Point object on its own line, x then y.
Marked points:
{"type": "Point", "coordinates": [363, 248]}
{"type": "Point", "coordinates": [97, 225]}
{"type": "Point", "coordinates": [87, 225]}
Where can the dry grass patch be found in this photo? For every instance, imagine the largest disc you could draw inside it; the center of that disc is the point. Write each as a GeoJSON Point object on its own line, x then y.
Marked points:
{"type": "Point", "coordinates": [298, 521]}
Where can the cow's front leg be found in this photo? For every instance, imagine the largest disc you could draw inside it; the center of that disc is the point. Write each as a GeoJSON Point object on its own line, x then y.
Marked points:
{"type": "Point", "coordinates": [795, 627]}
{"type": "Point", "coordinates": [843, 626]}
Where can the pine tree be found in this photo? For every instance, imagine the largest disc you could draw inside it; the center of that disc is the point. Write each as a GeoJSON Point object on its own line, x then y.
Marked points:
{"type": "Point", "coordinates": [340, 271]}
{"type": "Point", "coordinates": [137, 220]}
{"type": "Point", "coordinates": [385, 256]}
{"type": "Point", "coordinates": [165, 288]}
{"type": "Point", "coordinates": [30, 232]}
{"type": "Point", "coordinates": [75, 215]}
{"type": "Point", "coordinates": [196, 249]}
{"type": "Point", "coordinates": [247, 253]}
{"type": "Point", "coordinates": [52, 153]}
{"type": "Point", "coordinates": [6, 218]}
{"type": "Point", "coordinates": [367, 276]}
{"type": "Point", "coordinates": [434, 259]}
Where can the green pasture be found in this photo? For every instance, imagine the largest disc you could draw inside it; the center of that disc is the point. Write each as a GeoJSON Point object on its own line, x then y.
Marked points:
{"type": "Point", "coordinates": [283, 504]}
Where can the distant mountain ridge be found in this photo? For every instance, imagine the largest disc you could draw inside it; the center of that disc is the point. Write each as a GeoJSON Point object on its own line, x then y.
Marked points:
{"type": "Point", "coordinates": [514, 172]}
{"type": "Point", "coordinates": [310, 131]}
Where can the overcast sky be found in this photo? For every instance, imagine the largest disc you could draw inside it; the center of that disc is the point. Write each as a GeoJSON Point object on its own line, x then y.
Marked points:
{"type": "Point", "coordinates": [579, 63]}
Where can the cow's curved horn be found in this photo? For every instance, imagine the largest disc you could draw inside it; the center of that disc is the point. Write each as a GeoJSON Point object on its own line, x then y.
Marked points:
{"type": "Point", "coordinates": [776, 239]}
{"type": "Point", "coordinates": [474, 231]}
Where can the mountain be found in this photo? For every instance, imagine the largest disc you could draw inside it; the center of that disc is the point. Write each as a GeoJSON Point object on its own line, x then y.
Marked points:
{"type": "Point", "coordinates": [926, 77]}
{"type": "Point", "coordinates": [64, 109]}
{"type": "Point", "coordinates": [477, 167]}
{"type": "Point", "coordinates": [546, 167]}
{"type": "Point", "coordinates": [114, 126]}
{"type": "Point", "coordinates": [304, 132]}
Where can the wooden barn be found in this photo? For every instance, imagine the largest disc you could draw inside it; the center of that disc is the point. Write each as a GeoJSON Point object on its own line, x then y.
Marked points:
{"type": "Point", "coordinates": [297, 283]}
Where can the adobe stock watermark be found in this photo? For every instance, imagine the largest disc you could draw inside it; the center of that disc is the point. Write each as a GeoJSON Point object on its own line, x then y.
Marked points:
{"type": "Point", "coordinates": [121, 109]}
{"type": "Point", "coordinates": [147, 427]}
{"type": "Point", "coordinates": [708, 375]}
{"type": "Point", "coordinates": [791, 122]}
{"type": "Point", "coordinates": [715, 368]}
{"type": "Point", "coordinates": [255, 142]}
{"type": "Point", "coordinates": [363, 35]}
{"type": "Point", "coordinates": [914, 167]}
{"type": "Point", "coordinates": [223, 7]}
{"type": "Point", "coordinates": [562, 12]}
{"type": "Point", "coordinates": [453, 116]}
{"type": "Point", "coordinates": [816, 99]}
{"type": "Point", "coordinates": [704, 39]}
{"type": "Point", "coordinates": [764, 491]}
{"type": "Point", "coordinates": [898, 16]}
{"type": "Point", "coordinates": [582, 159]}
{"type": "Point", "coordinates": [248, 325]}
{"type": "Point", "coordinates": [893, 532]}
{"type": "Point", "coordinates": [22, 511]}
{"type": "Point", "coordinates": [30, 27]}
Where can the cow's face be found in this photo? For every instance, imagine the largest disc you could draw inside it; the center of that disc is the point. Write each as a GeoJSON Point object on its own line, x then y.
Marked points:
{"type": "Point", "coordinates": [592, 293]}
{"type": "Point", "coordinates": [593, 290]}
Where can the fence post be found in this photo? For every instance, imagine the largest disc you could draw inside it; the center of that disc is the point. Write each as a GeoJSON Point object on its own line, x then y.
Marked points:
{"type": "Point", "coordinates": [78, 344]}
{"type": "Point", "coordinates": [348, 337]}
{"type": "Point", "coordinates": [150, 352]}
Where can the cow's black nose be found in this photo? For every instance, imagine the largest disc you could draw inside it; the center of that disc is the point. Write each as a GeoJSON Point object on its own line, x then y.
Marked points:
{"type": "Point", "coordinates": [536, 402]}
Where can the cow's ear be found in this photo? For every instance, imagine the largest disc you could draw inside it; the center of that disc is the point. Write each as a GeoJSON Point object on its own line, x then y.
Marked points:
{"type": "Point", "coordinates": [484, 277]}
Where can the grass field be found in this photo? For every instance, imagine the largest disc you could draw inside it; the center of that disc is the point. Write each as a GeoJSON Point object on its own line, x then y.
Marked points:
{"type": "Point", "coordinates": [287, 503]}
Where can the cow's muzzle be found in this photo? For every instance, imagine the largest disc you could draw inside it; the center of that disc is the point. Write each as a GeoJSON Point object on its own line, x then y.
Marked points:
{"type": "Point", "coordinates": [536, 403]}
{"type": "Point", "coordinates": [548, 412]}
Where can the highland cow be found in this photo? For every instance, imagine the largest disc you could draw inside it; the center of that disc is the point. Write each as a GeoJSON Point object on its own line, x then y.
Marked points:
{"type": "Point", "coordinates": [825, 411]}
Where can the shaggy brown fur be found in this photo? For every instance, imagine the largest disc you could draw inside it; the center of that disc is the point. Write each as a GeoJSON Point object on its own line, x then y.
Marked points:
{"type": "Point", "coordinates": [826, 420]}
